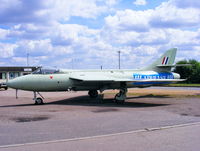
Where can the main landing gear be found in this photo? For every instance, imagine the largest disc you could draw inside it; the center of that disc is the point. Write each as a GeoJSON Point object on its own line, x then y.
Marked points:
{"type": "Point", "coordinates": [93, 93]}
{"type": "Point", "coordinates": [121, 96]}
{"type": "Point", "coordinates": [38, 100]}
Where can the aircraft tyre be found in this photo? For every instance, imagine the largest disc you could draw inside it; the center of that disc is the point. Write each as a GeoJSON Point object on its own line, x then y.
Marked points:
{"type": "Point", "coordinates": [39, 101]}
{"type": "Point", "coordinates": [93, 93]}
{"type": "Point", "coordinates": [121, 96]}
{"type": "Point", "coordinates": [119, 99]}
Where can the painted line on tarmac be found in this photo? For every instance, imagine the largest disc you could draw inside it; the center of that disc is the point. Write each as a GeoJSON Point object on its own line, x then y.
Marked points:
{"type": "Point", "coordinates": [102, 136]}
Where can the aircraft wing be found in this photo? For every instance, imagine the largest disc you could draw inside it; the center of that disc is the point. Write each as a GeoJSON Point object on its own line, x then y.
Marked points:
{"type": "Point", "coordinates": [91, 78]}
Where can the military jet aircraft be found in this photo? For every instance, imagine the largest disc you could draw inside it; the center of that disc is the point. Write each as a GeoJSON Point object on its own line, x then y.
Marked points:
{"type": "Point", "coordinates": [46, 80]}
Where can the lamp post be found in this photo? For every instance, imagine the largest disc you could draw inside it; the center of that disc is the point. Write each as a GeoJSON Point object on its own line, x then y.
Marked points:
{"type": "Point", "coordinates": [119, 53]}
{"type": "Point", "coordinates": [27, 59]}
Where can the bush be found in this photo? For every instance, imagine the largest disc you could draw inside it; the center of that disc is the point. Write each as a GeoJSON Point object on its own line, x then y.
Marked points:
{"type": "Point", "coordinates": [191, 73]}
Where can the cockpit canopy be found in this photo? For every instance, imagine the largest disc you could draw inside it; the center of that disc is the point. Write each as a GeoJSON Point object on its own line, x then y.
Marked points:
{"type": "Point", "coordinates": [46, 71]}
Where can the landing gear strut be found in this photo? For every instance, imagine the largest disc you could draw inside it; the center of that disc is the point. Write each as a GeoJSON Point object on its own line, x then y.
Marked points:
{"type": "Point", "coordinates": [93, 93]}
{"type": "Point", "coordinates": [121, 96]}
{"type": "Point", "coordinates": [38, 100]}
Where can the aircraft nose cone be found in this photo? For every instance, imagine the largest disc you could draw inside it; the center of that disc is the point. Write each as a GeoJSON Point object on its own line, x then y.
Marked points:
{"type": "Point", "coordinates": [14, 83]}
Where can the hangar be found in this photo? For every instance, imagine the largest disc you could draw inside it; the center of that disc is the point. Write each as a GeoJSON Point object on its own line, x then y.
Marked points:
{"type": "Point", "coordinates": [10, 72]}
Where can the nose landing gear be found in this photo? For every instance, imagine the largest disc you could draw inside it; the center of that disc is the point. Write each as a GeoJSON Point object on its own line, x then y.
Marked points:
{"type": "Point", "coordinates": [38, 100]}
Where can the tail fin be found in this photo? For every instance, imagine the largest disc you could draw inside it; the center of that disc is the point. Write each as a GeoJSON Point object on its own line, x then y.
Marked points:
{"type": "Point", "coordinates": [165, 62]}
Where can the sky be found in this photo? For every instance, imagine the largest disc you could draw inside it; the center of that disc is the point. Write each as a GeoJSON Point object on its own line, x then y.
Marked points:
{"type": "Point", "coordinates": [87, 34]}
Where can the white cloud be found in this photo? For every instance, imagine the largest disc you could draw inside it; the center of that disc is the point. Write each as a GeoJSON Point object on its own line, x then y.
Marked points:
{"type": "Point", "coordinates": [22, 11]}
{"type": "Point", "coordinates": [111, 2]}
{"type": "Point", "coordinates": [140, 2]}
{"type": "Point", "coordinates": [33, 47]}
{"type": "Point", "coordinates": [129, 20]}
{"type": "Point", "coordinates": [3, 33]}
{"type": "Point", "coordinates": [64, 9]}
{"type": "Point", "coordinates": [6, 50]}
{"type": "Point", "coordinates": [44, 31]}
{"type": "Point", "coordinates": [186, 3]}
{"type": "Point", "coordinates": [20, 60]}
{"type": "Point", "coordinates": [164, 16]}
{"type": "Point", "coordinates": [183, 38]}
{"type": "Point", "coordinates": [50, 11]}
{"type": "Point", "coordinates": [68, 34]}
{"type": "Point", "coordinates": [155, 30]}
{"type": "Point", "coordinates": [169, 16]}
{"type": "Point", "coordinates": [28, 31]}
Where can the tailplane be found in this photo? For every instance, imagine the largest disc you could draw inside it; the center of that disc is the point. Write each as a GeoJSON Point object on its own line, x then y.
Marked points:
{"type": "Point", "coordinates": [165, 62]}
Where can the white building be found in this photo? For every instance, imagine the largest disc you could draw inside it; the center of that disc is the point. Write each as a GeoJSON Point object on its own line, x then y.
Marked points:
{"type": "Point", "coordinates": [11, 72]}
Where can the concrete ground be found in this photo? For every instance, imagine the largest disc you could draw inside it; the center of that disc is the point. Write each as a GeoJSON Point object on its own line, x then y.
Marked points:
{"type": "Point", "coordinates": [151, 119]}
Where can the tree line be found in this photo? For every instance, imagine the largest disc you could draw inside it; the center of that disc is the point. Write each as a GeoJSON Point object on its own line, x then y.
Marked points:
{"type": "Point", "coordinates": [190, 72]}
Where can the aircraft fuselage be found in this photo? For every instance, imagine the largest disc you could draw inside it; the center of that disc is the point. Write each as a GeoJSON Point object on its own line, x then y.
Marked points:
{"type": "Point", "coordinates": [62, 81]}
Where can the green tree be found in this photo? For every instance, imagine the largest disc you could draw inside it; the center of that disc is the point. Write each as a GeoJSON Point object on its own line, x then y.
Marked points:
{"type": "Point", "coordinates": [191, 73]}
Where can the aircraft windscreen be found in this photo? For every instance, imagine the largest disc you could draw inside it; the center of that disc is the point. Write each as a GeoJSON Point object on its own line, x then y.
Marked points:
{"type": "Point", "coordinates": [45, 71]}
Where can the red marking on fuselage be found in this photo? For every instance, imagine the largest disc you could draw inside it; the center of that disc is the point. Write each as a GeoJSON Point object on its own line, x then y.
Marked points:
{"type": "Point", "coordinates": [51, 77]}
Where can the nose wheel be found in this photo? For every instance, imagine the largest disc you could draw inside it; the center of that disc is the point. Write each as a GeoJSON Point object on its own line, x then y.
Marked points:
{"type": "Point", "coordinates": [38, 100]}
